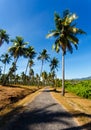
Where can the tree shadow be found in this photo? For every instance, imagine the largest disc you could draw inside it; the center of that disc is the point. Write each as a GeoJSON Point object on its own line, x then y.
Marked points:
{"type": "Point", "coordinates": [87, 126]}
{"type": "Point", "coordinates": [29, 119]}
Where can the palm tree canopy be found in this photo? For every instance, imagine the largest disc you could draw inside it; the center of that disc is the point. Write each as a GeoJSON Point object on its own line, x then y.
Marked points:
{"type": "Point", "coordinates": [5, 58]}
{"type": "Point", "coordinates": [30, 52]}
{"type": "Point", "coordinates": [65, 32]}
{"type": "Point", "coordinates": [43, 55]}
{"type": "Point", "coordinates": [31, 63]}
{"type": "Point", "coordinates": [31, 72]}
{"type": "Point", "coordinates": [4, 37]}
{"type": "Point", "coordinates": [18, 48]}
{"type": "Point", "coordinates": [54, 64]}
{"type": "Point", "coordinates": [44, 75]}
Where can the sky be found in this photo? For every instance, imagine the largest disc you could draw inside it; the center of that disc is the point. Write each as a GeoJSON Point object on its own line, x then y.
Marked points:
{"type": "Point", "coordinates": [33, 19]}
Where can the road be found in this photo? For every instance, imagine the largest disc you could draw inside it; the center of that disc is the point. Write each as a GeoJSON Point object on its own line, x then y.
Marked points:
{"type": "Point", "coordinates": [43, 113]}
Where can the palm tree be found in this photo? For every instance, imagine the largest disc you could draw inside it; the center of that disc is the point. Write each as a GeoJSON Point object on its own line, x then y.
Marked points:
{"type": "Point", "coordinates": [18, 48]}
{"type": "Point", "coordinates": [5, 59]}
{"type": "Point", "coordinates": [53, 66]}
{"type": "Point", "coordinates": [31, 73]}
{"type": "Point", "coordinates": [23, 77]}
{"type": "Point", "coordinates": [66, 35]}
{"type": "Point", "coordinates": [30, 54]}
{"type": "Point", "coordinates": [43, 56]}
{"type": "Point", "coordinates": [31, 63]}
{"type": "Point", "coordinates": [44, 77]}
{"type": "Point", "coordinates": [4, 37]}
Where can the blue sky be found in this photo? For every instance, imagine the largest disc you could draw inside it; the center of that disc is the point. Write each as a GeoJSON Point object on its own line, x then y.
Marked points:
{"type": "Point", "coordinates": [32, 19]}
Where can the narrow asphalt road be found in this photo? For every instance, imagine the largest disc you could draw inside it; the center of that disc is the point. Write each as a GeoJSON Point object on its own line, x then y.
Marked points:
{"type": "Point", "coordinates": [43, 113]}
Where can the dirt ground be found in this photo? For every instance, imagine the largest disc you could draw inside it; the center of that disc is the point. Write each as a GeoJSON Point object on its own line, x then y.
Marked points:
{"type": "Point", "coordinates": [79, 107]}
{"type": "Point", "coordinates": [10, 95]}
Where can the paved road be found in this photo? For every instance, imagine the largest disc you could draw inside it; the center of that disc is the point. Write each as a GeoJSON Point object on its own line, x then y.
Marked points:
{"type": "Point", "coordinates": [44, 113]}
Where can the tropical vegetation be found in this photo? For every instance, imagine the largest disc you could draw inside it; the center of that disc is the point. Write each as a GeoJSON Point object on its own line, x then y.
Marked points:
{"type": "Point", "coordinates": [65, 35]}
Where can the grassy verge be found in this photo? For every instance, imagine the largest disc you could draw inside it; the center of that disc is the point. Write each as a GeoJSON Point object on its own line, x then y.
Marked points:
{"type": "Point", "coordinates": [79, 108]}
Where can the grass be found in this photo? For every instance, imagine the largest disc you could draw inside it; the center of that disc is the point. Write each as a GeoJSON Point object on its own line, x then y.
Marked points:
{"type": "Point", "coordinates": [79, 108]}
{"type": "Point", "coordinates": [80, 88]}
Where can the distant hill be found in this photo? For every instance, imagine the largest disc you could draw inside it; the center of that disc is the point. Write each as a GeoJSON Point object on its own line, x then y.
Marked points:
{"type": "Point", "coordinates": [85, 78]}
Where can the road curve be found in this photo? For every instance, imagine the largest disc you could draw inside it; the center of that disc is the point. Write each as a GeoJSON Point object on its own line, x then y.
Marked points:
{"type": "Point", "coordinates": [43, 113]}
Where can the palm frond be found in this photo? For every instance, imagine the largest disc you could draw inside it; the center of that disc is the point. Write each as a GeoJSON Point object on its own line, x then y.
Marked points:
{"type": "Point", "coordinates": [52, 33]}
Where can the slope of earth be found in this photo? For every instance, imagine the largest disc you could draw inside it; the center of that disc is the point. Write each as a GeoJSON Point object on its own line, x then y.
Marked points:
{"type": "Point", "coordinates": [9, 96]}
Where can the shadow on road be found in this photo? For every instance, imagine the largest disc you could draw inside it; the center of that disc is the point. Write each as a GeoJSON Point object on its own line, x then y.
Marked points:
{"type": "Point", "coordinates": [29, 119]}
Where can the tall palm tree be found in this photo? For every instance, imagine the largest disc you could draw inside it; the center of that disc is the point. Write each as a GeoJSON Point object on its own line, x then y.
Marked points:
{"type": "Point", "coordinates": [18, 48]}
{"type": "Point", "coordinates": [66, 36]}
{"type": "Point", "coordinates": [30, 54]}
{"type": "Point", "coordinates": [31, 73]}
{"type": "Point", "coordinates": [44, 77]}
{"type": "Point", "coordinates": [5, 59]}
{"type": "Point", "coordinates": [43, 56]}
{"type": "Point", "coordinates": [4, 37]}
{"type": "Point", "coordinates": [31, 63]}
{"type": "Point", "coordinates": [54, 64]}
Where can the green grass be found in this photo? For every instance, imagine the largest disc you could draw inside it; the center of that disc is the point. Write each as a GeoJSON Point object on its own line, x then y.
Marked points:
{"type": "Point", "coordinates": [80, 88]}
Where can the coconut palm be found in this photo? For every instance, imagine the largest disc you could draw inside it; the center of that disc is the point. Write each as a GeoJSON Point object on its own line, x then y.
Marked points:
{"type": "Point", "coordinates": [54, 64]}
{"type": "Point", "coordinates": [5, 59]}
{"type": "Point", "coordinates": [44, 77]}
{"type": "Point", "coordinates": [43, 56]}
{"type": "Point", "coordinates": [30, 54]}
{"type": "Point", "coordinates": [31, 73]}
{"type": "Point", "coordinates": [4, 37]}
{"type": "Point", "coordinates": [65, 36]}
{"type": "Point", "coordinates": [17, 50]}
{"type": "Point", "coordinates": [31, 63]}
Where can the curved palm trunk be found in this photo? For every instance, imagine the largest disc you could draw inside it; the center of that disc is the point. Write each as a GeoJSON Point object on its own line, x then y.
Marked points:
{"type": "Point", "coordinates": [4, 68]}
{"type": "Point", "coordinates": [26, 67]}
{"type": "Point", "coordinates": [7, 77]}
{"type": "Point", "coordinates": [41, 68]}
{"type": "Point", "coordinates": [63, 74]}
{"type": "Point", "coordinates": [15, 61]}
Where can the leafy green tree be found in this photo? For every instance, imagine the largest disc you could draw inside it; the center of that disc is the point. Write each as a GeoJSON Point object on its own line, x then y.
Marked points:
{"type": "Point", "coordinates": [23, 77]}
{"type": "Point", "coordinates": [44, 77]}
{"type": "Point", "coordinates": [30, 54]}
{"type": "Point", "coordinates": [5, 59]}
{"type": "Point", "coordinates": [4, 37]}
{"type": "Point", "coordinates": [43, 56]}
{"type": "Point", "coordinates": [31, 73]}
{"type": "Point", "coordinates": [18, 48]}
{"type": "Point", "coordinates": [65, 34]}
{"type": "Point", "coordinates": [53, 66]}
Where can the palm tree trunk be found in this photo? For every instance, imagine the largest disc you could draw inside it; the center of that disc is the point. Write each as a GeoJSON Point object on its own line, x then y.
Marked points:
{"type": "Point", "coordinates": [26, 67]}
{"type": "Point", "coordinates": [4, 68]}
{"type": "Point", "coordinates": [63, 74]}
{"type": "Point", "coordinates": [41, 69]}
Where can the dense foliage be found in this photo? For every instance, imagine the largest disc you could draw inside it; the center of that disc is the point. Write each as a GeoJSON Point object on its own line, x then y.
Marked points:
{"type": "Point", "coordinates": [80, 88]}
